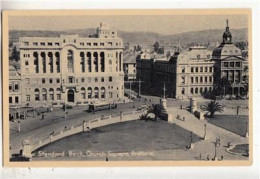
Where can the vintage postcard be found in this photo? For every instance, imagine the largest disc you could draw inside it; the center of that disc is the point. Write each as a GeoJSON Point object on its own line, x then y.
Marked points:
{"type": "Point", "coordinates": [127, 88]}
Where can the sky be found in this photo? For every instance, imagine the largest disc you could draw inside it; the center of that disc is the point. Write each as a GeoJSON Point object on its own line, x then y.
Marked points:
{"type": "Point", "coordinates": [164, 24]}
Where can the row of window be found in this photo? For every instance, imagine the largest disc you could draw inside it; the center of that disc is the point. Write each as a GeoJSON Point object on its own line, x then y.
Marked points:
{"type": "Point", "coordinates": [199, 69]}
{"type": "Point", "coordinates": [45, 95]}
{"type": "Point", "coordinates": [231, 64]}
{"type": "Point", "coordinates": [200, 90]}
{"type": "Point", "coordinates": [201, 79]}
{"type": "Point", "coordinates": [98, 44]}
{"type": "Point", "coordinates": [42, 43]}
{"type": "Point", "coordinates": [14, 87]}
{"type": "Point", "coordinates": [75, 41]}
{"type": "Point", "coordinates": [16, 100]}
{"type": "Point", "coordinates": [70, 80]}
{"type": "Point", "coordinates": [95, 62]}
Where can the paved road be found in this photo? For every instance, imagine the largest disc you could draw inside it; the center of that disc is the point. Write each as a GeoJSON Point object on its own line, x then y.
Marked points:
{"type": "Point", "coordinates": [32, 128]}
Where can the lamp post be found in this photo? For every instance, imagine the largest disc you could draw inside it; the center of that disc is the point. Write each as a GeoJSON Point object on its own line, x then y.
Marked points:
{"type": "Point", "coordinates": [139, 90]}
{"type": "Point", "coordinates": [216, 144]}
{"type": "Point", "coordinates": [191, 141]}
{"type": "Point", "coordinates": [205, 131]}
{"type": "Point", "coordinates": [130, 91]}
{"type": "Point", "coordinates": [246, 134]}
{"type": "Point", "coordinates": [19, 126]}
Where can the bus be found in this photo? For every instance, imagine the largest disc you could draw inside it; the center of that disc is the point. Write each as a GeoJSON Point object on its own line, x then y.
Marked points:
{"type": "Point", "coordinates": [101, 106]}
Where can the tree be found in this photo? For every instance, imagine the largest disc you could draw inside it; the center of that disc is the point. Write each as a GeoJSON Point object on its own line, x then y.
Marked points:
{"type": "Point", "coordinates": [212, 107]}
{"type": "Point", "coordinates": [15, 54]}
{"type": "Point", "coordinates": [222, 87]}
{"type": "Point", "coordinates": [156, 46]}
{"type": "Point", "coordinates": [160, 50]}
{"type": "Point", "coordinates": [157, 110]}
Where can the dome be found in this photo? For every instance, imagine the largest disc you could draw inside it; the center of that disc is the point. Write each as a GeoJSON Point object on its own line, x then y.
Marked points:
{"type": "Point", "coordinates": [225, 50]}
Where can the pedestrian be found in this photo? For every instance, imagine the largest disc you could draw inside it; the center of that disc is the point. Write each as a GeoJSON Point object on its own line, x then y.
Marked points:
{"type": "Point", "coordinates": [200, 156]}
{"type": "Point", "coordinates": [222, 157]}
{"type": "Point", "coordinates": [207, 157]}
{"type": "Point", "coordinates": [65, 128]}
{"type": "Point", "coordinates": [42, 116]}
{"type": "Point", "coordinates": [106, 159]}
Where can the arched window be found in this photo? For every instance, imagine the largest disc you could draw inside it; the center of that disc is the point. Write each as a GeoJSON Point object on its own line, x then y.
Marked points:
{"type": "Point", "coordinates": [196, 90]}
{"type": "Point", "coordinates": [102, 61]}
{"type": "Point", "coordinates": [44, 94]}
{"type": "Point", "coordinates": [57, 55]}
{"type": "Point", "coordinates": [206, 89]}
{"type": "Point", "coordinates": [89, 92]}
{"type": "Point", "coordinates": [96, 61]}
{"type": "Point", "coordinates": [51, 93]}
{"type": "Point", "coordinates": [37, 94]}
{"type": "Point", "coordinates": [82, 62]}
{"type": "Point", "coordinates": [191, 90]}
{"type": "Point", "coordinates": [58, 91]}
{"type": "Point", "coordinates": [96, 92]}
{"type": "Point", "coordinates": [70, 59]}
{"type": "Point", "coordinates": [50, 55]}
{"type": "Point", "coordinates": [103, 92]}
{"type": "Point", "coordinates": [83, 93]}
{"type": "Point", "coordinates": [210, 89]}
{"type": "Point", "coordinates": [89, 61]}
{"type": "Point", "coordinates": [201, 90]}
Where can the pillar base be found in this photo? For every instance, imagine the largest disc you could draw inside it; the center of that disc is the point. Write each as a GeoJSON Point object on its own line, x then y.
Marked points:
{"type": "Point", "coordinates": [205, 137]}
{"type": "Point", "coordinates": [246, 135]}
{"type": "Point", "coordinates": [191, 146]}
{"type": "Point", "coordinates": [215, 158]}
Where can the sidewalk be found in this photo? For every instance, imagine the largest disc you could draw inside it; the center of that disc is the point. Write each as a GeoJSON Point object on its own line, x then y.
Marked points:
{"type": "Point", "coordinates": [206, 147]}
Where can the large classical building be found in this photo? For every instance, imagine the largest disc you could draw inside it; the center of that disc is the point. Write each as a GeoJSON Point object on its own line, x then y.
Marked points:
{"type": "Point", "coordinates": [14, 86]}
{"type": "Point", "coordinates": [71, 69]}
{"type": "Point", "coordinates": [185, 74]}
{"type": "Point", "coordinates": [194, 72]}
{"type": "Point", "coordinates": [230, 63]}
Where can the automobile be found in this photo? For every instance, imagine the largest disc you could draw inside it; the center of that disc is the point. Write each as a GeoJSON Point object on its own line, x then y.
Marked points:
{"type": "Point", "coordinates": [143, 107]}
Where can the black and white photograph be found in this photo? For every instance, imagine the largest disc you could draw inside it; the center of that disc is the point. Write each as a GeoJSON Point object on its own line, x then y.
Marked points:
{"type": "Point", "coordinates": [128, 86]}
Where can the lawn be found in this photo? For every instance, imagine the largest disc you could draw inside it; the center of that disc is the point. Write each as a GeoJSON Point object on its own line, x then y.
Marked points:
{"type": "Point", "coordinates": [241, 148]}
{"type": "Point", "coordinates": [126, 137]}
{"type": "Point", "coordinates": [232, 123]}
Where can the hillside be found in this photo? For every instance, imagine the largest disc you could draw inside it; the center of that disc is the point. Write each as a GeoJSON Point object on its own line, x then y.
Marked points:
{"type": "Point", "coordinates": [147, 38]}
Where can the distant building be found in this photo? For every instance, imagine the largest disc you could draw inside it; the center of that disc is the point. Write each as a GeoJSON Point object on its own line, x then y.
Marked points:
{"type": "Point", "coordinates": [14, 86]}
{"type": "Point", "coordinates": [186, 74]}
{"type": "Point", "coordinates": [73, 70]}
{"type": "Point", "coordinates": [129, 67]}
{"type": "Point", "coordinates": [194, 72]}
{"type": "Point", "coordinates": [230, 62]}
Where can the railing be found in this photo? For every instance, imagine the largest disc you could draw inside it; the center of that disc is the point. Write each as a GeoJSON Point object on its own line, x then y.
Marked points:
{"type": "Point", "coordinates": [84, 126]}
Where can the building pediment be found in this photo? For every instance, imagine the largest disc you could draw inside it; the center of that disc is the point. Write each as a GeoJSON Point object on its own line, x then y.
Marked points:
{"type": "Point", "coordinates": [232, 58]}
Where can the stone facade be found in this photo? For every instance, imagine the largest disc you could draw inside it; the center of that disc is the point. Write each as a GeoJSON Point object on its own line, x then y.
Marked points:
{"type": "Point", "coordinates": [14, 86]}
{"type": "Point", "coordinates": [71, 69]}
{"type": "Point", "coordinates": [194, 72]}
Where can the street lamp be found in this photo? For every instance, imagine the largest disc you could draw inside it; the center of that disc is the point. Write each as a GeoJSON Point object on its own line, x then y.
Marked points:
{"type": "Point", "coordinates": [205, 131]}
{"type": "Point", "coordinates": [19, 126]}
{"type": "Point", "coordinates": [246, 134]}
{"type": "Point", "coordinates": [191, 141]}
{"type": "Point", "coordinates": [216, 144]}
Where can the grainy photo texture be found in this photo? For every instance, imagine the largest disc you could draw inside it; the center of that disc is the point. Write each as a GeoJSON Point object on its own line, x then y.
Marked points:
{"type": "Point", "coordinates": [127, 86]}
